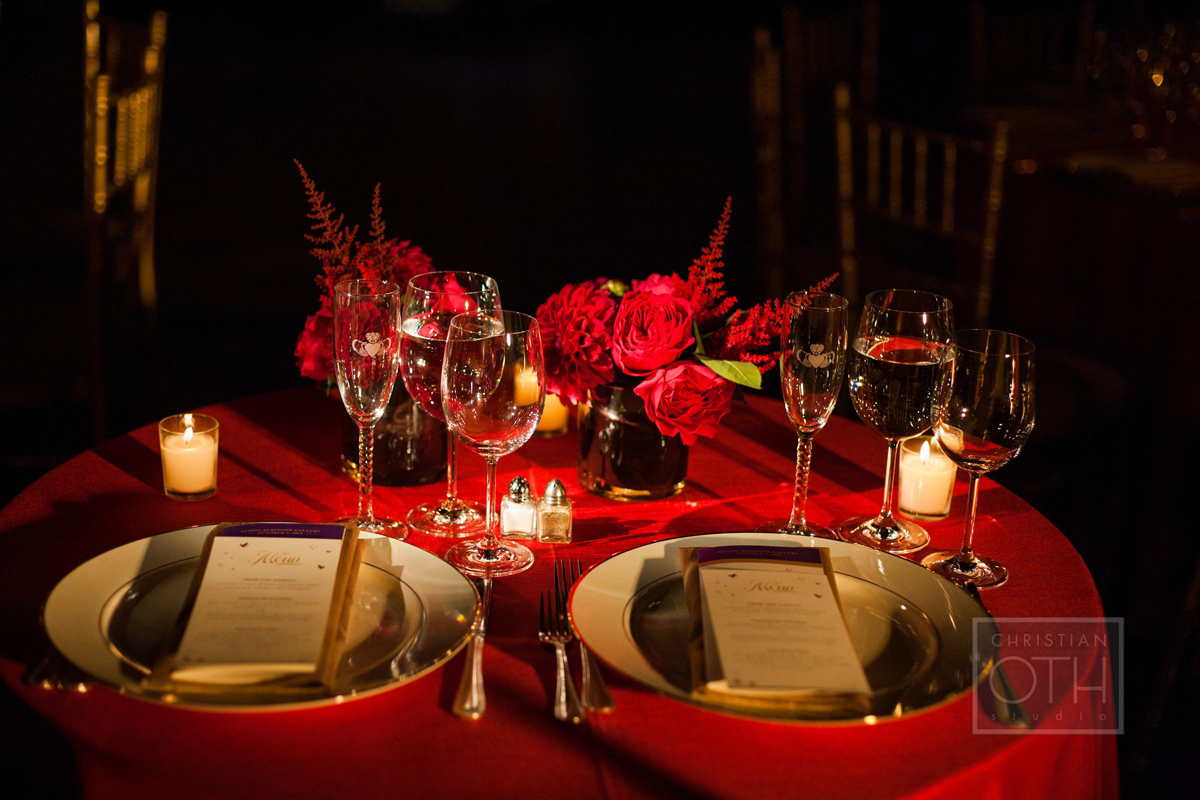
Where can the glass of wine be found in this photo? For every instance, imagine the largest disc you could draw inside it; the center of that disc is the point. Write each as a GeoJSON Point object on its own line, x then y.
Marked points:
{"type": "Point", "coordinates": [493, 390]}
{"type": "Point", "coordinates": [983, 416]}
{"type": "Point", "coordinates": [430, 302]}
{"type": "Point", "coordinates": [366, 348]}
{"type": "Point", "coordinates": [812, 359]}
{"type": "Point", "coordinates": [901, 350]}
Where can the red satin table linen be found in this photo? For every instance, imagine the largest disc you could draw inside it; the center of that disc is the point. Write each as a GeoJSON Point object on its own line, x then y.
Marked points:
{"type": "Point", "coordinates": [279, 461]}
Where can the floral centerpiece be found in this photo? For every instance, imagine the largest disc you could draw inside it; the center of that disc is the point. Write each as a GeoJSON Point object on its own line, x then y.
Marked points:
{"type": "Point", "coordinates": [678, 344]}
{"type": "Point", "coordinates": [410, 445]}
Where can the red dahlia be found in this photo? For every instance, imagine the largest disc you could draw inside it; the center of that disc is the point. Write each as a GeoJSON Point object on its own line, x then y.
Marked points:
{"type": "Point", "coordinates": [576, 327]}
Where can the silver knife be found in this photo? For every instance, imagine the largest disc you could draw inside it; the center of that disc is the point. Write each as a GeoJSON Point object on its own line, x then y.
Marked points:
{"type": "Point", "coordinates": [1004, 707]}
{"type": "Point", "coordinates": [469, 702]}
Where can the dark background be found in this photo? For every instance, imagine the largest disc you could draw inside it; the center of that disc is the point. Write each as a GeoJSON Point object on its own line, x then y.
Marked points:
{"type": "Point", "coordinates": [551, 142]}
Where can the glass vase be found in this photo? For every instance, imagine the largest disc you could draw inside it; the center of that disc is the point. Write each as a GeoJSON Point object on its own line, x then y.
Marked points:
{"type": "Point", "coordinates": [622, 456]}
{"type": "Point", "coordinates": [410, 445]}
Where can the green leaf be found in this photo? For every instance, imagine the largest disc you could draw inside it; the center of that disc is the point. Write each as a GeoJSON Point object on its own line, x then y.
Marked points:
{"type": "Point", "coordinates": [737, 371]}
{"type": "Point", "coordinates": [699, 338]}
{"type": "Point", "coordinates": [616, 287]}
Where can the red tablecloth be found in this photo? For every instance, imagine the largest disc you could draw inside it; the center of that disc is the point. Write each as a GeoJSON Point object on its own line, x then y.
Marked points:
{"type": "Point", "coordinates": [279, 460]}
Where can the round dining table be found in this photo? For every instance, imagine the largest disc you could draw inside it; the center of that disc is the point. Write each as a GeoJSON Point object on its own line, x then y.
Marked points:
{"type": "Point", "coordinates": [279, 460]}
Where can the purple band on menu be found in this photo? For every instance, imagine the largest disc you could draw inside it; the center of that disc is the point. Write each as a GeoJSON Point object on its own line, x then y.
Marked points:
{"type": "Point", "coordinates": [285, 530]}
{"type": "Point", "coordinates": [804, 555]}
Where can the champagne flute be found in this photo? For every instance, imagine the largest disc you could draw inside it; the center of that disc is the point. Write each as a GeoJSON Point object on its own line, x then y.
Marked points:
{"type": "Point", "coordinates": [983, 416]}
{"type": "Point", "coordinates": [812, 359]}
{"type": "Point", "coordinates": [366, 339]}
{"type": "Point", "coordinates": [493, 390]}
{"type": "Point", "coordinates": [901, 351]}
{"type": "Point", "coordinates": [430, 302]}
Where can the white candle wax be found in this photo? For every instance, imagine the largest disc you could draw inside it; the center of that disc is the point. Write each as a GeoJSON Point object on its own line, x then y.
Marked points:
{"type": "Point", "coordinates": [926, 480]}
{"type": "Point", "coordinates": [189, 466]}
{"type": "Point", "coordinates": [525, 390]}
{"type": "Point", "coordinates": [554, 415]}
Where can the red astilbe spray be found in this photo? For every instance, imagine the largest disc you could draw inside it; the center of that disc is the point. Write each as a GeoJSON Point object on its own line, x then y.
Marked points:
{"type": "Point", "coordinates": [704, 288]}
{"type": "Point", "coordinates": [753, 335]}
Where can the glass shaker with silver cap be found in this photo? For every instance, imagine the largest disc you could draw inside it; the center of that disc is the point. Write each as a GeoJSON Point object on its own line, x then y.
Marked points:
{"type": "Point", "coordinates": [518, 511]}
{"type": "Point", "coordinates": [554, 514]}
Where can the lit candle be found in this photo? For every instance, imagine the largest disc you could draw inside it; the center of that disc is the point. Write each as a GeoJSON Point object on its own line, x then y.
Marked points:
{"type": "Point", "coordinates": [554, 417]}
{"type": "Point", "coordinates": [926, 479]}
{"type": "Point", "coordinates": [188, 443]}
{"type": "Point", "coordinates": [525, 391]}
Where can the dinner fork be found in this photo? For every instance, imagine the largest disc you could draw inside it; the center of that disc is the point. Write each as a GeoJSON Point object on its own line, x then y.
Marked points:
{"type": "Point", "coordinates": [595, 693]}
{"type": "Point", "coordinates": [552, 630]}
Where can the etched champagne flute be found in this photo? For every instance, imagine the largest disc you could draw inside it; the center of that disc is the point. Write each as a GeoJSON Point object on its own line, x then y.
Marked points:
{"type": "Point", "coordinates": [366, 347]}
{"type": "Point", "coordinates": [901, 350]}
{"type": "Point", "coordinates": [812, 359]}
{"type": "Point", "coordinates": [493, 390]}
{"type": "Point", "coordinates": [431, 300]}
{"type": "Point", "coordinates": [983, 417]}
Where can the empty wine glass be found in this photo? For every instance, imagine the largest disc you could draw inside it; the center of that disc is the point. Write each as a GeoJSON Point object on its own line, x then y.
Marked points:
{"type": "Point", "coordinates": [901, 351]}
{"type": "Point", "coordinates": [366, 348]}
{"type": "Point", "coordinates": [431, 300]}
{"type": "Point", "coordinates": [983, 416]}
{"type": "Point", "coordinates": [812, 359]}
{"type": "Point", "coordinates": [493, 390]}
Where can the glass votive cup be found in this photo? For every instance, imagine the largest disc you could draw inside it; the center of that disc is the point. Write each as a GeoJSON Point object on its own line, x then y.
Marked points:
{"type": "Point", "coordinates": [188, 443]}
{"type": "Point", "coordinates": [926, 479]}
{"type": "Point", "coordinates": [555, 418]}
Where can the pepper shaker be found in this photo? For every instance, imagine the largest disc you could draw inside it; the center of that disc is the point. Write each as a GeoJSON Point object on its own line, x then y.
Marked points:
{"type": "Point", "coordinates": [554, 514]}
{"type": "Point", "coordinates": [518, 511]}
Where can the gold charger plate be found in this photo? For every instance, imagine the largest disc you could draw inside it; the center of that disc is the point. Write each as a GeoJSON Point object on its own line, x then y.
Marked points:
{"type": "Point", "coordinates": [112, 616]}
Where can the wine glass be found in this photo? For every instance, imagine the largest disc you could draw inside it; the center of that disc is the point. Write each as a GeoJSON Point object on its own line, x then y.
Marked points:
{"type": "Point", "coordinates": [493, 389]}
{"type": "Point", "coordinates": [901, 351]}
{"type": "Point", "coordinates": [983, 416]}
{"type": "Point", "coordinates": [430, 302]}
{"type": "Point", "coordinates": [812, 359]}
{"type": "Point", "coordinates": [366, 348]}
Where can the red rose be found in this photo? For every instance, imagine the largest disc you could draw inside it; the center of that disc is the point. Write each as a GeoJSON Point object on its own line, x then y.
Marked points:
{"type": "Point", "coordinates": [659, 284]}
{"type": "Point", "coordinates": [576, 325]}
{"type": "Point", "coordinates": [314, 350]}
{"type": "Point", "coordinates": [651, 331]}
{"type": "Point", "coordinates": [687, 398]}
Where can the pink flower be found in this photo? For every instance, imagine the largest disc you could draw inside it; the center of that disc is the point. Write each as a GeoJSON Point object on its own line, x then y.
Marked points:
{"type": "Point", "coordinates": [651, 331]}
{"type": "Point", "coordinates": [314, 350]}
{"type": "Point", "coordinates": [687, 398]}
{"type": "Point", "coordinates": [659, 284]}
{"type": "Point", "coordinates": [576, 325]}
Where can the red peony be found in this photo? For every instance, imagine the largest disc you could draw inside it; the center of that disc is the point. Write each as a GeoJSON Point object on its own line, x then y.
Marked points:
{"type": "Point", "coordinates": [314, 350]}
{"type": "Point", "coordinates": [576, 325]}
{"type": "Point", "coordinates": [659, 284]}
{"type": "Point", "coordinates": [686, 398]}
{"type": "Point", "coordinates": [651, 331]}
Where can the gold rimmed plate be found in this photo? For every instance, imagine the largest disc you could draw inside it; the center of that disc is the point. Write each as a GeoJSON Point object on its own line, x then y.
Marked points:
{"type": "Point", "coordinates": [912, 629]}
{"type": "Point", "coordinates": [113, 615]}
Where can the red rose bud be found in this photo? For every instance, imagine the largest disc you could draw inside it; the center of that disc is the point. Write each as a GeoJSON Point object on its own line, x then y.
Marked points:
{"type": "Point", "coordinates": [687, 398]}
{"type": "Point", "coordinates": [659, 284]}
{"type": "Point", "coordinates": [314, 350]}
{"type": "Point", "coordinates": [651, 331]}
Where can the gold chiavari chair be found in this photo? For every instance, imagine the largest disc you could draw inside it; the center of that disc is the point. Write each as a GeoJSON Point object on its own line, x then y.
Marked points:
{"type": "Point", "coordinates": [901, 185]}
{"type": "Point", "coordinates": [123, 89]}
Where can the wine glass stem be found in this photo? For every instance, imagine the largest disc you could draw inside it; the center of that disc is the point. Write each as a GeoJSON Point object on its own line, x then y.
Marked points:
{"type": "Point", "coordinates": [889, 482]}
{"type": "Point", "coordinates": [966, 555]}
{"type": "Point", "coordinates": [800, 496]}
{"type": "Point", "coordinates": [366, 458]}
{"type": "Point", "coordinates": [490, 540]}
{"type": "Point", "coordinates": [451, 464]}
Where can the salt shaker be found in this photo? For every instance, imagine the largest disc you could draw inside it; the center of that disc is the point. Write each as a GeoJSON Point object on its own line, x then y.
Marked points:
{"type": "Point", "coordinates": [518, 511]}
{"type": "Point", "coordinates": [554, 514]}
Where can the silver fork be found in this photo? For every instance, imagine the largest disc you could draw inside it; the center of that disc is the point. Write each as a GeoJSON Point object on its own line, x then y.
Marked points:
{"type": "Point", "coordinates": [551, 630]}
{"type": "Point", "coordinates": [595, 693]}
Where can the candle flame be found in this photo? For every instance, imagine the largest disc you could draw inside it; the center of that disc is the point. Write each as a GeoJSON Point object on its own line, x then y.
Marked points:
{"type": "Point", "coordinates": [925, 452]}
{"type": "Point", "coordinates": [187, 436]}
{"type": "Point", "coordinates": [188, 420]}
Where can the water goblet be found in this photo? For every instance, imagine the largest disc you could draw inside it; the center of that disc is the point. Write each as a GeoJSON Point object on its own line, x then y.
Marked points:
{"type": "Point", "coordinates": [900, 352]}
{"type": "Point", "coordinates": [812, 359]}
{"type": "Point", "coordinates": [431, 300]}
{"type": "Point", "coordinates": [366, 347]}
{"type": "Point", "coordinates": [493, 390]}
{"type": "Point", "coordinates": [983, 417]}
